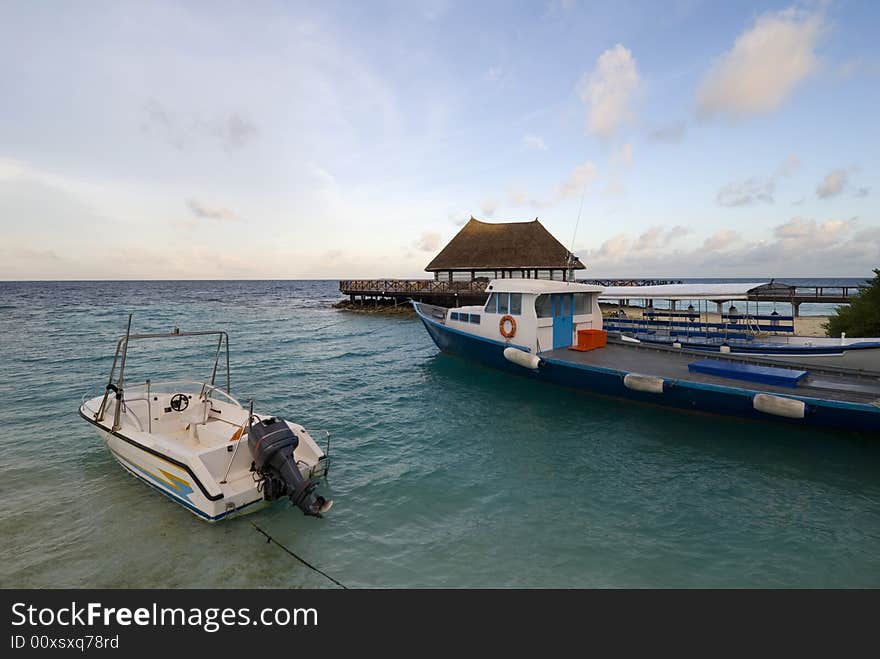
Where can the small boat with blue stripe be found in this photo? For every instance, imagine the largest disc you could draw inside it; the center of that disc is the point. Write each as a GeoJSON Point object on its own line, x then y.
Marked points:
{"type": "Point", "coordinates": [200, 447]}
{"type": "Point", "coordinates": [553, 331]}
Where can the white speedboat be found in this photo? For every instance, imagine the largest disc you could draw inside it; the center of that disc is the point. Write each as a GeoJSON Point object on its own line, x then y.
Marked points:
{"type": "Point", "coordinates": [196, 444]}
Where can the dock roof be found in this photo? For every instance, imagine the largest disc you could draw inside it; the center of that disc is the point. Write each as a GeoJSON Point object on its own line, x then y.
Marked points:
{"type": "Point", "coordinates": [505, 245]}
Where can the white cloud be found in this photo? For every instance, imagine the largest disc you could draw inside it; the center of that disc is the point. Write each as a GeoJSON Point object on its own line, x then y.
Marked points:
{"type": "Point", "coordinates": [580, 178]}
{"type": "Point", "coordinates": [749, 191]}
{"type": "Point", "coordinates": [765, 65]}
{"type": "Point", "coordinates": [721, 239]}
{"type": "Point", "coordinates": [429, 241]}
{"type": "Point", "coordinates": [615, 247]}
{"type": "Point", "coordinates": [799, 247]}
{"type": "Point", "coordinates": [232, 130]}
{"type": "Point", "coordinates": [489, 207]}
{"type": "Point", "coordinates": [659, 236]}
{"type": "Point", "coordinates": [833, 184]}
{"type": "Point", "coordinates": [789, 165]}
{"type": "Point", "coordinates": [203, 211]}
{"type": "Point", "coordinates": [534, 142]}
{"type": "Point", "coordinates": [757, 188]}
{"type": "Point", "coordinates": [609, 91]}
{"type": "Point", "coordinates": [623, 155]}
{"type": "Point", "coordinates": [669, 132]}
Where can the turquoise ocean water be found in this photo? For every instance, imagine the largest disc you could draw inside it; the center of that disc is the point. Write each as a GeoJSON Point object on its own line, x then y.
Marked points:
{"type": "Point", "coordinates": [444, 474]}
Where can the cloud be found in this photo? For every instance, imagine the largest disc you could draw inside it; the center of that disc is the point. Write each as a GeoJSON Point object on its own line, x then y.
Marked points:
{"type": "Point", "coordinates": [765, 65]}
{"type": "Point", "coordinates": [614, 247]}
{"type": "Point", "coordinates": [749, 191]}
{"type": "Point", "coordinates": [534, 142]}
{"type": "Point", "coordinates": [862, 192]}
{"type": "Point", "coordinates": [575, 185]}
{"type": "Point", "coordinates": [428, 241]}
{"type": "Point", "coordinates": [203, 211]}
{"type": "Point", "coordinates": [833, 184]}
{"type": "Point", "coordinates": [806, 233]}
{"type": "Point", "coordinates": [798, 247]}
{"type": "Point", "coordinates": [489, 207]}
{"type": "Point", "coordinates": [623, 155]}
{"type": "Point", "coordinates": [235, 131]}
{"type": "Point", "coordinates": [721, 239]}
{"type": "Point", "coordinates": [231, 131]}
{"type": "Point", "coordinates": [659, 236]}
{"type": "Point", "coordinates": [609, 91]}
{"type": "Point", "coordinates": [580, 179]}
{"type": "Point", "coordinates": [494, 73]}
{"type": "Point", "coordinates": [756, 188]}
{"type": "Point", "coordinates": [789, 166]}
{"type": "Point", "coordinates": [670, 132]}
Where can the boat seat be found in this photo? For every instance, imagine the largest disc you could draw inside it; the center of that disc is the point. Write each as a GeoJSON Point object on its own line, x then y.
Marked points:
{"type": "Point", "coordinates": [211, 433]}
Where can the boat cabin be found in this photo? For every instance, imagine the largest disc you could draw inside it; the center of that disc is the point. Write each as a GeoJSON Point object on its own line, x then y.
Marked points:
{"type": "Point", "coordinates": [531, 313]}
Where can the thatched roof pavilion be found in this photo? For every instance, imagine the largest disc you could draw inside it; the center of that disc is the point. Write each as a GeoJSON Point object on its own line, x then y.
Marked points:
{"type": "Point", "coordinates": [504, 250]}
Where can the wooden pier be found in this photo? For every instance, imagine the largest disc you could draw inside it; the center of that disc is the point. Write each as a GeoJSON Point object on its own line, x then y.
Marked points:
{"type": "Point", "coordinates": [458, 293]}
{"type": "Point", "coordinates": [444, 293]}
{"type": "Point", "coordinates": [798, 295]}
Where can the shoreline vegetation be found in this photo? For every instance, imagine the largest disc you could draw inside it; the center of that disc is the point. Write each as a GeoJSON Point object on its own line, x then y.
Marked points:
{"type": "Point", "coordinates": [804, 326]}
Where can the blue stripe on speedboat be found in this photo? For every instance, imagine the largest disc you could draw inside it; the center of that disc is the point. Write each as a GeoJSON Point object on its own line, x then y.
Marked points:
{"type": "Point", "coordinates": [133, 469]}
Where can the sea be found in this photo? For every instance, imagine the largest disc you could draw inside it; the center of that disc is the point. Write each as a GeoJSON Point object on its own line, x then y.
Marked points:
{"type": "Point", "coordinates": [444, 474]}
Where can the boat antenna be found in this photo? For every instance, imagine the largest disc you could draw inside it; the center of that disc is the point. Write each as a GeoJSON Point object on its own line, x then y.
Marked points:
{"type": "Point", "coordinates": [570, 259]}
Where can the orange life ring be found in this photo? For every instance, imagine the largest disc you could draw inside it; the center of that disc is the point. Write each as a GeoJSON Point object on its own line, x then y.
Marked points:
{"type": "Point", "coordinates": [504, 332]}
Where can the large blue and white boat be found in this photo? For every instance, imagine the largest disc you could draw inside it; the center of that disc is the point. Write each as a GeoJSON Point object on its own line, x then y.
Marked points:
{"type": "Point", "coordinates": [544, 329]}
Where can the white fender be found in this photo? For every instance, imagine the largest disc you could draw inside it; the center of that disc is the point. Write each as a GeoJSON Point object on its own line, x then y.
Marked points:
{"type": "Point", "coordinates": [647, 383]}
{"type": "Point", "coordinates": [628, 339]}
{"type": "Point", "coordinates": [780, 406]}
{"type": "Point", "coordinates": [521, 358]}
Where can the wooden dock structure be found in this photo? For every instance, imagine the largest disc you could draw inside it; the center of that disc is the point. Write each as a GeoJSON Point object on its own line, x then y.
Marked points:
{"type": "Point", "coordinates": [798, 295]}
{"type": "Point", "coordinates": [458, 293]}
{"type": "Point", "coordinates": [396, 291]}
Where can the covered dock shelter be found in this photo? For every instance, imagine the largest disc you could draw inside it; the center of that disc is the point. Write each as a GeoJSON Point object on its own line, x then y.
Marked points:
{"type": "Point", "coordinates": [504, 250]}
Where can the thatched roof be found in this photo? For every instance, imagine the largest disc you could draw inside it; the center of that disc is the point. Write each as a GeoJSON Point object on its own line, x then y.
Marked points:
{"type": "Point", "coordinates": [484, 246]}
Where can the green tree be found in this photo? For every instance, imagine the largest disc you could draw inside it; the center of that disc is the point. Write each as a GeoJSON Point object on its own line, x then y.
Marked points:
{"type": "Point", "coordinates": [861, 317]}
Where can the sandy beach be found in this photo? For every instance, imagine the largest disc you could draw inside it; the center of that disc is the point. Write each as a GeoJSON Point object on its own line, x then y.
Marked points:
{"type": "Point", "coordinates": [803, 326]}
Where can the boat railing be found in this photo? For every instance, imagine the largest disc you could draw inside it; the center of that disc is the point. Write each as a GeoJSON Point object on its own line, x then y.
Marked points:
{"type": "Point", "coordinates": [201, 388]}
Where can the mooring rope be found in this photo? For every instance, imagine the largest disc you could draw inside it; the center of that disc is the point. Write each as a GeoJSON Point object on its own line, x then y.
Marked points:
{"type": "Point", "coordinates": [269, 538]}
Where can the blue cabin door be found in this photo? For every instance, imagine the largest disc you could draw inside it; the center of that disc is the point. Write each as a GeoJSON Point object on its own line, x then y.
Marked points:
{"type": "Point", "coordinates": [562, 323]}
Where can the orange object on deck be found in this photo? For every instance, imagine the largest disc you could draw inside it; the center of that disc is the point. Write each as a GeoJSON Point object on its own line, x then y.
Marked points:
{"type": "Point", "coordinates": [590, 339]}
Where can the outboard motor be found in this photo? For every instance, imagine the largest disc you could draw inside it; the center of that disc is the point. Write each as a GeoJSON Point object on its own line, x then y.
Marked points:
{"type": "Point", "coordinates": [272, 444]}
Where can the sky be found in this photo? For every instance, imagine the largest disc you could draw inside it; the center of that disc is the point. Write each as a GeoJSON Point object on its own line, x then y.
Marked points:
{"type": "Point", "coordinates": [328, 140]}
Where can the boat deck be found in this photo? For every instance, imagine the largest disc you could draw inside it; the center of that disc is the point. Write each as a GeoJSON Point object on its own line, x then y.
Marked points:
{"type": "Point", "coordinates": [672, 363]}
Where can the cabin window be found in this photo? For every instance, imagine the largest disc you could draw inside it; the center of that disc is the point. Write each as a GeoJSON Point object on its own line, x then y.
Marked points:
{"type": "Point", "coordinates": [454, 315]}
{"type": "Point", "coordinates": [491, 304]}
{"type": "Point", "coordinates": [475, 318]}
{"type": "Point", "coordinates": [582, 304]}
{"type": "Point", "coordinates": [543, 307]}
{"type": "Point", "coordinates": [516, 304]}
{"type": "Point", "coordinates": [463, 317]}
{"type": "Point", "coordinates": [502, 303]}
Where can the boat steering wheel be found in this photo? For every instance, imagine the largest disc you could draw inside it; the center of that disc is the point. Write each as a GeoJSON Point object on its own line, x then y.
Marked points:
{"type": "Point", "coordinates": [179, 402]}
